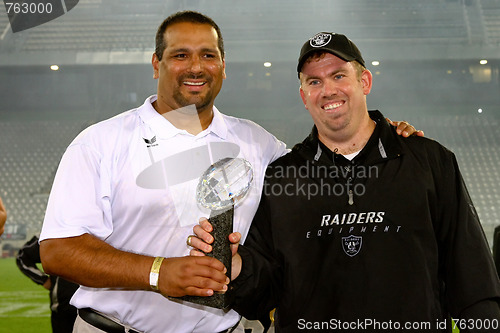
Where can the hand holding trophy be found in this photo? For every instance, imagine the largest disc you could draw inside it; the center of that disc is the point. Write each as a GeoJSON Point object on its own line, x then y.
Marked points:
{"type": "Point", "coordinates": [219, 188]}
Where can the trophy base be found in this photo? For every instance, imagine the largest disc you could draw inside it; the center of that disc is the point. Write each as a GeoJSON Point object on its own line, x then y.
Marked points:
{"type": "Point", "coordinates": [222, 222]}
{"type": "Point", "coordinates": [217, 300]}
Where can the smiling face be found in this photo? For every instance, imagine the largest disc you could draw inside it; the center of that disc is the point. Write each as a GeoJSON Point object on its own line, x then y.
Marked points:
{"type": "Point", "coordinates": [192, 68]}
{"type": "Point", "coordinates": [334, 92]}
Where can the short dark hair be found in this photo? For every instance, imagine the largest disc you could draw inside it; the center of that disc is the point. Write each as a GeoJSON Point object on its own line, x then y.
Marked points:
{"type": "Point", "coordinates": [180, 17]}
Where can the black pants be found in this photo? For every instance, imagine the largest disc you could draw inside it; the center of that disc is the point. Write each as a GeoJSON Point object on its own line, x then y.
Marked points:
{"type": "Point", "coordinates": [63, 314]}
{"type": "Point", "coordinates": [63, 321]}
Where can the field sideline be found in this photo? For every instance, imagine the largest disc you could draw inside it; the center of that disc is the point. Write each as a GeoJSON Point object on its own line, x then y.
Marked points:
{"type": "Point", "coordinates": [24, 305]}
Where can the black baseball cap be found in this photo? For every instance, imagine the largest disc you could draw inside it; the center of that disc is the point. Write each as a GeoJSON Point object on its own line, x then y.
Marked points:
{"type": "Point", "coordinates": [336, 44]}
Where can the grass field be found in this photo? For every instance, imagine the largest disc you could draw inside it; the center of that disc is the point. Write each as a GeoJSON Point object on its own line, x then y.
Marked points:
{"type": "Point", "coordinates": [24, 305]}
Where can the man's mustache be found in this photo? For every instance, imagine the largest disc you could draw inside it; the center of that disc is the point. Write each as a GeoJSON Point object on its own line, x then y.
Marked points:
{"type": "Point", "coordinates": [187, 77]}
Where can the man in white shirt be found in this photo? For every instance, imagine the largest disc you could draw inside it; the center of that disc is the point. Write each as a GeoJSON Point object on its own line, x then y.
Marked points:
{"type": "Point", "coordinates": [109, 214]}
{"type": "Point", "coordinates": [124, 199]}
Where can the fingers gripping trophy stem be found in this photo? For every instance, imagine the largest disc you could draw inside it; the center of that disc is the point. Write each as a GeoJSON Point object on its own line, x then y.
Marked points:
{"type": "Point", "coordinates": [222, 223]}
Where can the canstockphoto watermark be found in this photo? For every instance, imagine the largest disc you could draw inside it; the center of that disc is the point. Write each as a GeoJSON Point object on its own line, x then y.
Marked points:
{"type": "Point", "coordinates": [26, 14]}
{"type": "Point", "coordinates": [311, 180]}
{"type": "Point", "coordinates": [310, 190]}
{"type": "Point", "coordinates": [369, 325]}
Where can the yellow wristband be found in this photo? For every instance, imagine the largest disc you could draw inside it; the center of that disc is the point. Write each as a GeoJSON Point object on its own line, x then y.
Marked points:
{"type": "Point", "coordinates": [155, 273]}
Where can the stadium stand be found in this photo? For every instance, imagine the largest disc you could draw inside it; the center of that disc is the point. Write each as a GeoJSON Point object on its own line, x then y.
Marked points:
{"type": "Point", "coordinates": [28, 162]}
{"type": "Point", "coordinates": [98, 29]}
{"type": "Point", "coordinates": [27, 167]}
{"type": "Point", "coordinates": [405, 20]}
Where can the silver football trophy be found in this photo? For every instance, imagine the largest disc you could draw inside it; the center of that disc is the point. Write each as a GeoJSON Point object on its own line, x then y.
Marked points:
{"type": "Point", "coordinates": [219, 188]}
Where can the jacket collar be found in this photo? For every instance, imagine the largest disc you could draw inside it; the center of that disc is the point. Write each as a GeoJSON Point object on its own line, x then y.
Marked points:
{"type": "Point", "coordinates": [382, 145]}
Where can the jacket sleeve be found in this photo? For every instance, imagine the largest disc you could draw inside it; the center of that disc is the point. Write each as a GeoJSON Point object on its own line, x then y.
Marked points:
{"type": "Point", "coordinates": [469, 273]}
{"type": "Point", "coordinates": [480, 317]}
{"type": "Point", "coordinates": [27, 258]}
{"type": "Point", "coordinates": [257, 289]}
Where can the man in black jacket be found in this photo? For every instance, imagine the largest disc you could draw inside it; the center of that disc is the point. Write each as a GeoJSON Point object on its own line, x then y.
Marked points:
{"type": "Point", "coordinates": [63, 314]}
{"type": "Point", "coordinates": [339, 242]}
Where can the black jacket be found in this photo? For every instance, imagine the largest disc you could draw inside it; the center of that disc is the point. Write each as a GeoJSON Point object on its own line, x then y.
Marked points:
{"type": "Point", "coordinates": [389, 237]}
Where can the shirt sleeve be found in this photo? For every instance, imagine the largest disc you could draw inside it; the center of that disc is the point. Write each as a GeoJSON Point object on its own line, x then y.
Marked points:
{"type": "Point", "coordinates": [79, 201]}
{"type": "Point", "coordinates": [280, 149]}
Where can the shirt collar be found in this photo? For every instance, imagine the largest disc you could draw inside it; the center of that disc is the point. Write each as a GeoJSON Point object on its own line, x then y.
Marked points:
{"type": "Point", "coordinates": [164, 129]}
{"type": "Point", "coordinates": [218, 125]}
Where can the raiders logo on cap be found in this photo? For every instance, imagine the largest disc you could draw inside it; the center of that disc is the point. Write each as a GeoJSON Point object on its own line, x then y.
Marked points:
{"type": "Point", "coordinates": [336, 44]}
{"type": "Point", "coordinates": [320, 39]}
